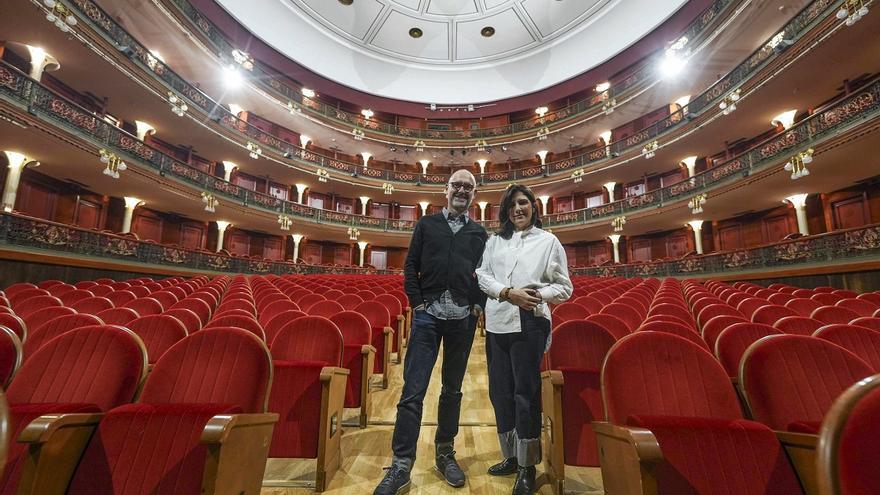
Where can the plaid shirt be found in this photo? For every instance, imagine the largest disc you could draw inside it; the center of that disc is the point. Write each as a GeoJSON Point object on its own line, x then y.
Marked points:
{"type": "Point", "coordinates": [445, 308]}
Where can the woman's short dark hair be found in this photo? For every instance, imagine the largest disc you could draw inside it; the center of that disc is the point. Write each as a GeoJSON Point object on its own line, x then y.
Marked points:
{"type": "Point", "coordinates": [506, 229]}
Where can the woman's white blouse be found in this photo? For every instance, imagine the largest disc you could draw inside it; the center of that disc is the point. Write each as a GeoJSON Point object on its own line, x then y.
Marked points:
{"type": "Point", "coordinates": [532, 258]}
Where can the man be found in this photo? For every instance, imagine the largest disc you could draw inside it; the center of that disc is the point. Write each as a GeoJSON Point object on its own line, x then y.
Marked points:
{"type": "Point", "coordinates": [439, 280]}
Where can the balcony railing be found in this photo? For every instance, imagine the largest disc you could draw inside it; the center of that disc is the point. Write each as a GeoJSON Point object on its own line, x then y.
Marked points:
{"type": "Point", "coordinates": [17, 231]}
{"type": "Point", "coordinates": [310, 161]}
{"type": "Point", "coordinates": [20, 90]}
{"type": "Point", "coordinates": [845, 246]}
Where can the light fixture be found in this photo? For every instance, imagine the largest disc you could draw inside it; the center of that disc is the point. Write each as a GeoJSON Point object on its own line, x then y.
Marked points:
{"type": "Point", "coordinates": [618, 223]}
{"type": "Point", "coordinates": [388, 187]}
{"type": "Point", "coordinates": [605, 136]}
{"type": "Point", "coordinates": [243, 59]}
{"type": "Point", "coordinates": [232, 78]}
{"type": "Point", "coordinates": [481, 145]}
{"type": "Point", "coordinates": [424, 164]}
{"type": "Point", "coordinates": [293, 108]}
{"type": "Point", "coordinates": [304, 140]}
{"type": "Point", "coordinates": [690, 162]}
{"type": "Point", "coordinates": [113, 162]}
{"type": "Point", "coordinates": [852, 11]}
{"type": "Point", "coordinates": [696, 203]}
{"type": "Point", "coordinates": [357, 134]}
{"type": "Point", "coordinates": [650, 149]}
{"type": "Point", "coordinates": [578, 176]}
{"type": "Point", "coordinates": [419, 145]}
{"type": "Point", "coordinates": [482, 163]}
{"type": "Point", "coordinates": [602, 87]}
{"type": "Point", "coordinates": [254, 150]}
{"type": "Point", "coordinates": [353, 233]}
{"type": "Point", "coordinates": [674, 59]}
{"type": "Point", "coordinates": [785, 119]}
{"type": "Point", "coordinates": [424, 206]}
{"type": "Point", "coordinates": [487, 32]}
{"type": "Point", "coordinates": [415, 32]}
{"type": "Point", "coordinates": [541, 111]}
{"type": "Point", "coordinates": [323, 175]}
{"type": "Point", "coordinates": [543, 133]}
{"type": "Point", "coordinates": [367, 113]}
{"type": "Point", "coordinates": [144, 129]}
{"type": "Point", "coordinates": [543, 156]}
{"type": "Point", "coordinates": [608, 103]}
{"type": "Point", "coordinates": [308, 93]}
{"type": "Point", "coordinates": [797, 164]}
{"type": "Point", "coordinates": [285, 222]}
{"type": "Point", "coordinates": [695, 224]}
{"type": "Point", "coordinates": [728, 103]}
{"type": "Point", "coordinates": [797, 200]}
{"type": "Point", "coordinates": [59, 15]}
{"type": "Point", "coordinates": [210, 202]}
{"type": "Point", "coordinates": [178, 106]}
{"type": "Point", "coordinates": [366, 156]}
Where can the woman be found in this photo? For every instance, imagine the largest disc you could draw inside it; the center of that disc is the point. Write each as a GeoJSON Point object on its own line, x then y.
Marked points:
{"type": "Point", "coordinates": [523, 269]}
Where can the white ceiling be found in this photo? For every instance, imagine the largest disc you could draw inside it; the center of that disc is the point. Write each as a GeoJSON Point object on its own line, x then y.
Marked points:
{"type": "Point", "coordinates": [367, 46]}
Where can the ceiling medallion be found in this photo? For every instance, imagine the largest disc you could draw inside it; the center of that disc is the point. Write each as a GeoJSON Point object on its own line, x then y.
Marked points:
{"type": "Point", "coordinates": [415, 32]}
{"type": "Point", "coordinates": [346, 2]}
{"type": "Point", "coordinates": [487, 31]}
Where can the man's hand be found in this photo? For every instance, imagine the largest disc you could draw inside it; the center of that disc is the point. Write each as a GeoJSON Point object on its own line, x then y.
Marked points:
{"type": "Point", "coordinates": [526, 299]}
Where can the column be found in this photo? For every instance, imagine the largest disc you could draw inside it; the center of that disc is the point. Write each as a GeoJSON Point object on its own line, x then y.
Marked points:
{"type": "Point", "coordinates": [362, 245]}
{"type": "Point", "coordinates": [17, 161]}
{"type": "Point", "coordinates": [544, 200]}
{"type": "Point", "coordinates": [424, 205]}
{"type": "Point", "coordinates": [144, 129]}
{"type": "Point", "coordinates": [297, 238]}
{"type": "Point", "coordinates": [482, 205]}
{"type": "Point", "coordinates": [364, 201]}
{"type": "Point", "coordinates": [130, 204]}
{"type": "Point", "coordinates": [691, 164]}
{"type": "Point", "coordinates": [40, 62]}
{"type": "Point", "coordinates": [228, 167]}
{"type": "Point", "coordinates": [615, 243]}
{"type": "Point", "coordinates": [606, 140]}
{"type": "Point", "coordinates": [697, 225]}
{"type": "Point", "coordinates": [609, 186]}
{"type": "Point", "coordinates": [543, 156]}
{"type": "Point", "coordinates": [424, 164]}
{"type": "Point", "coordinates": [300, 192]}
{"type": "Point", "coordinates": [799, 201]}
{"type": "Point", "coordinates": [482, 163]}
{"type": "Point", "coordinates": [366, 156]}
{"type": "Point", "coordinates": [222, 225]}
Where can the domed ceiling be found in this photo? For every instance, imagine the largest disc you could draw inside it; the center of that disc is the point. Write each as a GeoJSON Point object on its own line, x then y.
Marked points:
{"type": "Point", "coordinates": [450, 51]}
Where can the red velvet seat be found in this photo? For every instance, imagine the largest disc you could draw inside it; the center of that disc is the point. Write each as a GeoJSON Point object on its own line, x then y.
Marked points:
{"type": "Point", "coordinates": [18, 297]}
{"type": "Point", "coordinates": [357, 357]}
{"type": "Point", "coordinates": [789, 379]}
{"type": "Point", "coordinates": [325, 309]}
{"type": "Point", "coordinates": [232, 312]}
{"type": "Point", "coordinates": [592, 304]}
{"type": "Point", "coordinates": [349, 301]}
{"type": "Point", "coordinates": [568, 312]}
{"type": "Point", "coordinates": [240, 304]}
{"type": "Point", "coordinates": [626, 314]}
{"type": "Point", "coordinates": [165, 298]}
{"type": "Point", "coordinates": [243, 322]}
{"type": "Point", "coordinates": [46, 284]}
{"type": "Point", "coordinates": [209, 298]}
{"type": "Point", "coordinates": [92, 305]}
{"type": "Point", "coordinates": [145, 306]}
{"type": "Point", "coordinates": [861, 341]}
{"type": "Point", "coordinates": [208, 377]}
{"type": "Point", "coordinates": [634, 302]}
{"type": "Point", "coordinates": [780, 298]}
{"type": "Point", "coordinates": [117, 316]}
{"type": "Point", "coordinates": [713, 328]}
{"type": "Point", "coordinates": [197, 306]}
{"type": "Point", "coordinates": [860, 306]}
{"type": "Point", "coordinates": [682, 331]}
{"type": "Point", "coordinates": [307, 354]}
{"type": "Point", "coordinates": [159, 333]}
{"type": "Point", "coordinates": [827, 299]}
{"type": "Point", "coordinates": [101, 290]}
{"type": "Point", "coordinates": [71, 297]}
{"type": "Point", "coordinates": [670, 319]}
{"type": "Point", "coordinates": [575, 364]}
{"type": "Point", "coordinates": [380, 323]}
{"type": "Point", "coordinates": [867, 322]}
{"type": "Point", "coordinates": [14, 323]}
{"type": "Point", "coordinates": [870, 297]}
{"type": "Point", "coordinates": [735, 339]}
{"type": "Point", "coordinates": [87, 370]}
{"type": "Point", "coordinates": [714, 310]}
{"type": "Point", "coordinates": [748, 306]}
{"type": "Point", "coordinates": [833, 314]}
{"type": "Point", "coordinates": [849, 450]}
{"type": "Point", "coordinates": [35, 304]}
{"type": "Point", "coordinates": [39, 336]}
{"type": "Point", "coordinates": [10, 356]}
{"type": "Point", "coordinates": [804, 307]}
{"type": "Point", "coordinates": [770, 314]}
{"type": "Point", "coordinates": [736, 298]}
{"type": "Point", "coordinates": [274, 325]}
{"type": "Point", "coordinates": [797, 325]}
{"type": "Point", "coordinates": [308, 300]}
{"type": "Point", "coordinates": [613, 324]}
{"type": "Point", "coordinates": [676, 310]}
{"type": "Point", "coordinates": [682, 396]}
{"type": "Point", "coordinates": [189, 319]}
{"type": "Point", "coordinates": [120, 297]}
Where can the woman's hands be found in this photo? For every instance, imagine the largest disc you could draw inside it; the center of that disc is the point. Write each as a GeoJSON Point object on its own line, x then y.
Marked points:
{"type": "Point", "coordinates": [526, 299]}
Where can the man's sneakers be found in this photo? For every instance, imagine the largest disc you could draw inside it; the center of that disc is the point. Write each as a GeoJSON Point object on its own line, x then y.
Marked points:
{"type": "Point", "coordinates": [504, 468]}
{"type": "Point", "coordinates": [449, 468]}
{"type": "Point", "coordinates": [395, 482]}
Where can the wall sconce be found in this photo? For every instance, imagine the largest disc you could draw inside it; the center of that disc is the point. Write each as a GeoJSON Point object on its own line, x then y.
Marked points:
{"type": "Point", "coordinates": [210, 202]}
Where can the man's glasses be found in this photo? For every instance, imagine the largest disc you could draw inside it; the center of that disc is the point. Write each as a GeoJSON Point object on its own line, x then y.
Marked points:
{"type": "Point", "coordinates": [463, 186]}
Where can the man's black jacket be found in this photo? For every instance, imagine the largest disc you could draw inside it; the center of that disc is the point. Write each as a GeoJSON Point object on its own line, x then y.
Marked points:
{"type": "Point", "coordinates": [439, 260]}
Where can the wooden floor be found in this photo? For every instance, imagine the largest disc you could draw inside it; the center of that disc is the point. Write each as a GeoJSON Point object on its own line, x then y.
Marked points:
{"type": "Point", "coordinates": [366, 451]}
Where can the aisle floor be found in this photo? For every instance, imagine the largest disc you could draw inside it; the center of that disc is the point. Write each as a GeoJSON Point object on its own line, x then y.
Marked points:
{"type": "Point", "coordinates": [366, 451]}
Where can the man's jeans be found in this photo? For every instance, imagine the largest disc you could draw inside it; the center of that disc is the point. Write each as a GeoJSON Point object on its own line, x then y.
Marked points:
{"type": "Point", "coordinates": [421, 354]}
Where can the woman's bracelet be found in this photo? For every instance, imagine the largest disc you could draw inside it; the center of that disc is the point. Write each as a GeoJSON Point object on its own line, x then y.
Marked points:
{"type": "Point", "coordinates": [505, 293]}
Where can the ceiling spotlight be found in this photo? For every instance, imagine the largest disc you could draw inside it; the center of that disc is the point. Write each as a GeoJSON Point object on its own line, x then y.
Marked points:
{"type": "Point", "coordinates": [415, 32]}
{"type": "Point", "coordinates": [672, 64]}
{"type": "Point", "coordinates": [487, 31]}
{"type": "Point", "coordinates": [232, 77]}
{"type": "Point", "coordinates": [346, 2]}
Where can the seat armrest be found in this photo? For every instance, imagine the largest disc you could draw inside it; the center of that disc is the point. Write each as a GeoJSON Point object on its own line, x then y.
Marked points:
{"type": "Point", "coordinates": [333, 385]}
{"type": "Point", "coordinates": [388, 330]}
{"type": "Point", "coordinates": [553, 376]}
{"type": "Point", "coordinates": [328, 372]}
{"type": "Point", "coordinates": [629, 459]}
{"type": "Point", "coordinates": [801, 450]}
{"type": "Point", "coordinates": [238, 445]}
{"type": "Point", "coordinates": [367, 349]}
{"type": "Point", "coordinates": [56, 443]}
{"type": "Point", "coordinates": [553, 432]}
